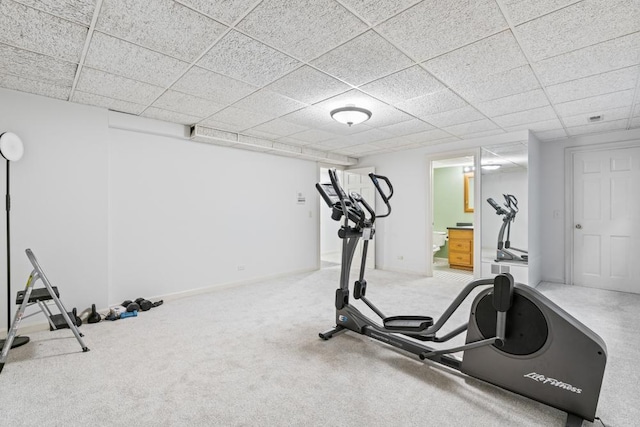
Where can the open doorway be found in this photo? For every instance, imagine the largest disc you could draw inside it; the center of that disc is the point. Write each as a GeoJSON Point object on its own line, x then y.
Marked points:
{"type": "Point", "coordinates": [330, 244]}
{"type": "Point", "coordinates": [453, 194]}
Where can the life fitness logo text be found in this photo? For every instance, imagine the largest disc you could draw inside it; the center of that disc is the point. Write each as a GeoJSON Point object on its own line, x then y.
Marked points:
{"type": "Point", "coordinates": [553, 382]}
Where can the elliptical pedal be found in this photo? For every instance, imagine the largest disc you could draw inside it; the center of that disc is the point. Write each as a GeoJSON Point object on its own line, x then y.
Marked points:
{"type": "Point", "coordinates": [408, 323]}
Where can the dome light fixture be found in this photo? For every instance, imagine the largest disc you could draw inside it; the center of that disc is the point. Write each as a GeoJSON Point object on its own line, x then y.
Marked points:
{"type": "Point", "coordinates": [490, 167]}
{"type": "Point", "coordinates": [350, 115]}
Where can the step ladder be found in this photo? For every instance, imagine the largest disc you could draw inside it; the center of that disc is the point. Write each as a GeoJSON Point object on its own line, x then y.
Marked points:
{"type": "Point", "coordinates": [39, 296]}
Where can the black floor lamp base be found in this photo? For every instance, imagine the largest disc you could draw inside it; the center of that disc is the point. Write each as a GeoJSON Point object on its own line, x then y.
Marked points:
{"type": "Point", "coordinates": [17, 342]}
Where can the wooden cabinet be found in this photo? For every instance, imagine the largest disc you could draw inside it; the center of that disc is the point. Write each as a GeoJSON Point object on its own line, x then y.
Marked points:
{"type": "Point", "coordinates": [461, 248]}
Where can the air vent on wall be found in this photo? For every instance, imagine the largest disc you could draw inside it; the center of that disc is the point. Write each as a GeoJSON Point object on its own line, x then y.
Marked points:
{"type": "Point", "coordinates": [237, 140]}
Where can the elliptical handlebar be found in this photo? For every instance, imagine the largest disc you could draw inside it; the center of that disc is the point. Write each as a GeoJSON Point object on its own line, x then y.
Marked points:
{"type": "Point", "coordinates": [385, 198]}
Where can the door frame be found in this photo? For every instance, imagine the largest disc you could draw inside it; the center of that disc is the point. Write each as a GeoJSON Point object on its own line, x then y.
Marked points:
{"type": "Point", "coordinates": [477, 216]}
{"type": "Point", "coordinates": [569, 153]}
{"type": "Point", "coordinates": [320, 211]}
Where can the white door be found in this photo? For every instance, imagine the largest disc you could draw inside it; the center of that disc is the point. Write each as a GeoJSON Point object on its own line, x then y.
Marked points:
{"type": "Point", "coordinates": [606, 226]}
{"type": "Point", "coordinates": [357, 180]}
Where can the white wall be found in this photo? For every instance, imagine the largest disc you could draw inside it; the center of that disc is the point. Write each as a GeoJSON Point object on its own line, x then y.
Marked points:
{"type": "Point", "coordinates": [116, 214]}
{"type": "Point", "coordinates": [329, 241]}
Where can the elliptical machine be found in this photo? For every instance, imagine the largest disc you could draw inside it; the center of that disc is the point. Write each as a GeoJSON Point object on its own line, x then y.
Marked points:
{"type": "Point", "coordinates": [517, 339]}
{"type": "Point", "coordinates": [503, 253]}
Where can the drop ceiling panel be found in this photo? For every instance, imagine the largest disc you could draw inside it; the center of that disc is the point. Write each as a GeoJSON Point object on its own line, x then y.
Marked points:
{"type": "Point", "coordinates": [117, 56]}
{"type": "Point", "coordinates": [246, 59]}
{"type": "Point", "coordinates": [374, 12]}
{"type": "Point", "coordinates": [499, 85]}
{"type": "Point", "coordinates": [595, 104]}
{"type": "Point", "coordinates": [370, 136]}
{"type": "Point", "coordinates": [35, 66]}
{"type": "Point", "coordinates": [227, 11]}
{"type": "Point", "coordinates": [308, 85]}
{"type": "Point", "coordinates": [344, 130]}
{"type": "Point", "coordinates": [549, 135]}
{"type": "Point", "coordinates": [471, 127]}
{"type": "Point", "coordinates": [394, 142]}
{"type": "Point", "coordinates": [169, 116]}
{"type": "Point", "coordinates": [454, 117]}
{"type": "Point", "coordinates": [432, 28]}
{"type": "Point", "coordinates": [279, 128]}
{"type": "Point", "coordinates": [528, 116]}
{"type": "Point", "coordinates": [598, 127]}
{"type": "Point", "coordinates": [607, 116]}
{"type": "Point", "coordinates": [333, 144]}
{"type": "Point", "coordinates": [543, 125]}
{"type": "Point", "coordinates": [607, 56]}
{"type": "Point", "coordinates": [33, 30]}
{"type": "Point", "coordinates": [313, 135]}
{"type": "Point", "coordinates": [161, 25]}
{"type": "Point", "coordinates": [187, 104]}
{"type": "Point", "coordinates": [437, 102]}
{"type": "Point", "coordinates": [207, 84]}
{"type": "Point", "coordinates": [105, 102]}
{"type": "Point", "coordinates": [387, 115]}
{"type": "Point", "coordinates": [635, 123]}
{"type": "Point", "coordinates": [312, 116]}
{"type": "Point", "coordinates": [513, 103]}
{"type": "Point", "coordinates": [525, 10]}
{"type": "Point", "coordinates": [429, 135]}
{"type": "Point", "coordinates": [406, 84]}
{"type": "Point", "coordinates": [117, 87]}
{"type": "Point", "coordinates": [267, 102]}
{"type": "Point", "coordinates": [34, 86]}
{"type": "Point", "coordinates": [304, 29]}
{"type": "Point", "coordinates": [407, 127]}
{"type": "Point", "coordinates": [237, 119]}
{"type": "Point", "coordinates": [80, 11]}
{"type": "Point", "coordinates": [579, 25]}
{"type": "Point", "coordinates": [600, 84]}
{"type": "Point", "coordinates": [483, 134]}
{"type": "Point", "coordinates": [363, 59]}
{"type": "Point", "coordinates": [492, 55]}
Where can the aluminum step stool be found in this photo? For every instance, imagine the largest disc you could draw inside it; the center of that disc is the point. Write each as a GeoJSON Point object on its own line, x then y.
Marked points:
{"type": "Point", "coordinates": [32, 296]}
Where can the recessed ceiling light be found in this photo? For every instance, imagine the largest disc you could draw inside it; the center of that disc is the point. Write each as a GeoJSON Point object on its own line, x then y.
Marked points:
{"type": "Point", "coordinates": [350, 115]}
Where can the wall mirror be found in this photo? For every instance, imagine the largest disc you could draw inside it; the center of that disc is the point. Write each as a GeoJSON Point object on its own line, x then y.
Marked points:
{"type": "Point", "coordinates": [468, 192]}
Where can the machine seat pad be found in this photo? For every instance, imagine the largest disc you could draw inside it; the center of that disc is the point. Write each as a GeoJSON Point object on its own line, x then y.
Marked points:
{"type": "Point", "coordinates": [408, 323]}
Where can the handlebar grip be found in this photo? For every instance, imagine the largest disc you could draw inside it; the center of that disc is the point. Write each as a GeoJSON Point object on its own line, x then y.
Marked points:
{"type": "Point", "coordinates": [375, 179]}
{"type": "Point", "coordinates": [336, 185]}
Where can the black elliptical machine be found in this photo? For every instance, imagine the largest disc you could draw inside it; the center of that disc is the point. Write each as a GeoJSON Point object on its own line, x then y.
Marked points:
{"type": "Point", "coordinates": [517, 339]}
{"type": "Point", "coordinates": [505, 251]}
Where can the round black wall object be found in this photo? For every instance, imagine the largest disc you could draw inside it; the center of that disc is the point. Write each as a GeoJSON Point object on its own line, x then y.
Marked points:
{"type": "Point", "coordinates": [527, 330]}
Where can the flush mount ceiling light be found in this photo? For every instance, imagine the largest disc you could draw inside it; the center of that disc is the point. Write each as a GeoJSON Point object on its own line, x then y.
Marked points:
{"type": "Point", "coordinates": [490, 167]}
{"type": "Point", "coordinates": [350, 115]}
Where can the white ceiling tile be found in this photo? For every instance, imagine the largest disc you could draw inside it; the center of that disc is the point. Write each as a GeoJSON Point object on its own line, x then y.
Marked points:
{"type": "Point", "coordinates": [161, 25]}
{"type": "Point", "coordinates": [267, 102]}
{"type": "Point", "coordinates": [406, 84]}
{"type": "Point", "coordinates": [31, 29]}
{"type": "Point", "coordinates": [387, 115]}
{"type": "Point", "coordinates": [246, 59]}
{"type": "Point", "coordinates": [376, 11]}
{"type": "Point", "coordinates": [170, 116]}
{"type": "Point", "coordinates": [498, 85]}
{"type": "Point", "coordinates": [312, 135]}
{"type": "Point", "coordinates": [595, 104]}
{"type": "Point", "coordinates": [613, 81]}
{"type": "Point", "coordinates": [407, 127]}
{"type": "Point", "coordinates": [302, 28]}
{"type": "Point", "coordinates": [471, 127]}
{"type": "Point", "coordinates": [513, 103]}
{"type": "Point", "coordinates": [433, 103]}
{"type": "Point", "coordinates": [109, 103]}
{"type": "Point", "coordinates": [599, 58]}
{"type": "Point", "coordinates": [363, 59]}
{"type": "Point", "coordinates": [429, 135]}
{"type": "Point", "coordinates": [370, 136]}
{"type": "Point", "coordinates": [80, 11]}
{"type": "Point", "coordinates": [535, 126]}
{"type": "Point", "coordinates": [279, 128]}
{"type": "Point", "coordinates": [236, 119]}
{"type": "Point", "coordinates": [227, 11]}
{"type": "Point", "coordinates": [308, 85]}
{"type": "Point", "coordinates": [260, 134]}
{"type": "Point", "coordinates": [482, 134]}
{"type": "Point", "coordinates": [207, 84]}
{"type": "Point", "coordinates": [549, 135]}
{"type": "Point", "coordinates": [332, 144]}
{"type": "Point", "coordinates": [361, 149]}
{"type": "Point", "coordinates": [345, 130]}
{"type": "Point", "coordinates": [635, 123]}
{"type": "Point", "coordinates": [294, 141]}
{"type": "Point", "coordinates": [526, 10]}
{"type": "Point", "coordinates": [579, 25]}
{"type": "Point", "coordinates": [222, 126]}
{"type": "Point", "coordinates": [636, 111]}
{"type": "Point", "coordinates": [528, 116]}
{"type": "Point", "coordinates": [117, 87]}
{"type": "Point", "coordinates": [35, 66]}
{"type": "Point", "coordinates": [311, 116]}
{"type": "Point", "coordinates": [454, 117]}
{"type": "Point", "coordinates": [432, 28]}
{"type": "Point", "coordinates": [598, 127]}
{"type": "Point", "coordinates": [187, 104]}
{"type": "Point", "coordinates": [34, 86]}
{"type": "Point", "coordinates": [607, 116]}
{"type": "Point", "coordinates": [492, 55]}
{"type": "Point", "coordinates": [397, 141]}
{"type": "Point", "coordinates": [117, 56]}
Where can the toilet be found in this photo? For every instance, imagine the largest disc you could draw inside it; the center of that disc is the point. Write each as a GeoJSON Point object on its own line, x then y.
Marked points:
{"type": "Point", "coordinates": [439, 239]}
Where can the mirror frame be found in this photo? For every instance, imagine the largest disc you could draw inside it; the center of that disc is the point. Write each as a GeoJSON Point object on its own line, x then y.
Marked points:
{"type": "Point", "coordinates": [467, 176]}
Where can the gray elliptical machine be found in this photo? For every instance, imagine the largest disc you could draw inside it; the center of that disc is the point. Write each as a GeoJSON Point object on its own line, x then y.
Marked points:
{"type": "Point", "coordinates": [505, 250]}
{"type": "Point", "coordinates": [517, 339]}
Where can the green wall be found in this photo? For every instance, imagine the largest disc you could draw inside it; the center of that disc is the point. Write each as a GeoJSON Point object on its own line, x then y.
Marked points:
{"type": "Point", "coordinates": [448, 202]}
